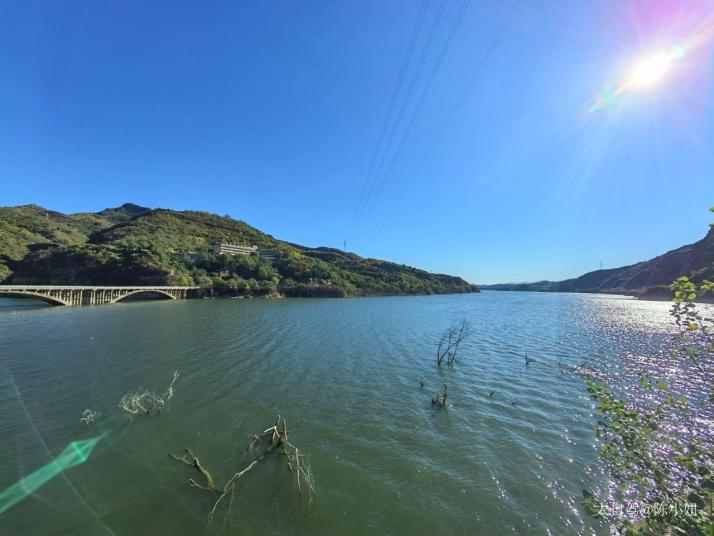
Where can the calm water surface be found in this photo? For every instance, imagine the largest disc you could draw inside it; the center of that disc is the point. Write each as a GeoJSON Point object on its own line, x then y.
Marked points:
{"type": "Point", "coordinates": [343, 373]}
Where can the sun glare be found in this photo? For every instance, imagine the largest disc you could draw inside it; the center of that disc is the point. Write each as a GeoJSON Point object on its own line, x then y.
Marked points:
{"type": "Point", "coordinates": [650, 71]}
{"type": "Point", "coordinates": [645, 74]}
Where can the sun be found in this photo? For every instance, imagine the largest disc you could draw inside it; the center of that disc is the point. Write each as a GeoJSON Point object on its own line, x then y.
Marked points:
{"type": "Point", "coordinates": [650, 71]}
{"type": "Point", "coordinates": [644, 75]}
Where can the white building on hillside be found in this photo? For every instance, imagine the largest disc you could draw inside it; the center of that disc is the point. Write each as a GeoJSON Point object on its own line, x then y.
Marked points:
{"type": "Point", "coordinates": [232, 249]}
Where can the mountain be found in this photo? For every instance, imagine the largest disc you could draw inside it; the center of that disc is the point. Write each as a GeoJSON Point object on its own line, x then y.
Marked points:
{"type": "Point", "coordinates": [131, 245]}
{"type": "Point", "coordinates": [122, 214]}
{"type": "Point", "coordinates": [648, 279]}
{"type": "Point", "coordinates": [91, 222]}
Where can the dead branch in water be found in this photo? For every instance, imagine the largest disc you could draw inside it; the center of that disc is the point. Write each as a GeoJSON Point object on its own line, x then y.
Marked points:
{"type": "Point", "coordinates": [144, 402]}
{"type": "Point", "coordinates": [89, 416]}
{"type": "Point", "coordinates": [271, 440]}
{"type": "Point", "coordinates": [439, 399]}
{"type": "Point", "coordinates": [450, 341]}
{"type": "Point", "coordinates": [208, 486]}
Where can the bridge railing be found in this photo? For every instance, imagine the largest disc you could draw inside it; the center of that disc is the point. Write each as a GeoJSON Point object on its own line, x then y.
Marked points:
{"type": "Point", "coordinates": [91, 295]}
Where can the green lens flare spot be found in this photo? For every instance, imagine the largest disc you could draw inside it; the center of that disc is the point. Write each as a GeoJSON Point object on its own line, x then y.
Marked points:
{"type": "Point", "coordinates": [76, 453]}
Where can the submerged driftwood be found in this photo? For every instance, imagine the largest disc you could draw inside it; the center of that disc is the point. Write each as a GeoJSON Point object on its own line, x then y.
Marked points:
{"type": "Point", "coordinates": [145, 402]}
{"type": "Point", "coordinates": [450, 341]}
{"type": "Point", "coordinates": [271, 440]}
{"type": "Point", "coordinates": [439, 399]}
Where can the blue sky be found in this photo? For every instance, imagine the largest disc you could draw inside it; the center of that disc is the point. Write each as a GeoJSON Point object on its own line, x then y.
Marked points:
{"type": "Point", "coordinates": [272, 111]}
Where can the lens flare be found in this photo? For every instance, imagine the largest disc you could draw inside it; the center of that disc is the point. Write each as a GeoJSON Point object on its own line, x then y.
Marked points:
{"type": "Point", "coordinates": [76, 453]}
{"type": "Point", "coordinates": [648, 72]}
{"type": "Point", "coordinates": [644, 74]}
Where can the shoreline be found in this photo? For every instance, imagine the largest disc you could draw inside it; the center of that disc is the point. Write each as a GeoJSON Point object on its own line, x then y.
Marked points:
{"type": "Point", "coordinates": [654, 297]}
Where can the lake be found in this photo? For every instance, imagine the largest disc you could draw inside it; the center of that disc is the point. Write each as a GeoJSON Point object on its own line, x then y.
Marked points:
{"type": "Point", "coordinates": [343, 372]}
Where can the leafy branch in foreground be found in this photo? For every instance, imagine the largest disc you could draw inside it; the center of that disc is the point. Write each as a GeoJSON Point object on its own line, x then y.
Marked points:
{"type": "Point", "coordinates": [658, 447]}
{"type": "Point", "coordinates": [144, 402]}
{"type": "Point", "coordinates": [272, 440]}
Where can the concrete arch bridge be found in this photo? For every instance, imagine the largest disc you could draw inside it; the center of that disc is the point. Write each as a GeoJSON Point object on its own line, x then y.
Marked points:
{"type": "Point", "coordinates": [88, 295]}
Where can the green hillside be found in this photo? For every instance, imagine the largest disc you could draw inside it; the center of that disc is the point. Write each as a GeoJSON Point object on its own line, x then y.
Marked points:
{"type": "Point", "coordinates": [648, 279]}
{"type": "Point", "coordinates": [134, 245]}
{"type": "Point", "coordinates": [31, 227]}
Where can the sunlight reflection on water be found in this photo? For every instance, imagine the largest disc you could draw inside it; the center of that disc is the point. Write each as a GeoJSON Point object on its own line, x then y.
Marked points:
{"type": "Point", "coordinates": [344, 372]}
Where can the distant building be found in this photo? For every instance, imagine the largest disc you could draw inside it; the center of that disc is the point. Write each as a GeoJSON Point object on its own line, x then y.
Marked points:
{"type": "Point", "coordinates": [235, 249]}
{"type": "Point", "coordinates": [232, 249]}
{"type": "Point", "coordinates": [268, 253]}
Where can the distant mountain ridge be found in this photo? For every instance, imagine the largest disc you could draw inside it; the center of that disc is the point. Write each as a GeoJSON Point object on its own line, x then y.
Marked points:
{"type": "Point", "coordinates": [117, 215]}
{"type": "Point", "coordinates": [132, 244]}
{"type": "Point", "coordinates": [648, 279]}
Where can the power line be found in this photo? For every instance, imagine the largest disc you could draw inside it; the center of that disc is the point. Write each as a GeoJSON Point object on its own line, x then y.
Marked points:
{"type": "Point", "coordinates": [402, 109]}
{"type": "Point", "coordinates": [506, 22]}
{"type": "Point", "coordinates": [390, 108]}
{"type": "Point", "coordinates": [425, 91]}
{"type": "Point", "coordinates": [400, 115]}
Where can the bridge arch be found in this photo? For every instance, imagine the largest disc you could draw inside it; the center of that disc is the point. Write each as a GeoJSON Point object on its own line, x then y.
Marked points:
{"type": "Point", "coordinates": [27, 294]}
{"type": "Point", "coordinates": [157, 292]}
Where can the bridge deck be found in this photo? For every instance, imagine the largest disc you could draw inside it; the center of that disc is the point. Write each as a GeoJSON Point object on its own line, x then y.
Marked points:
{"type": "Point", "coordinates": [91, 295]}
{"type": "Point", "coordinates": [90, 287]}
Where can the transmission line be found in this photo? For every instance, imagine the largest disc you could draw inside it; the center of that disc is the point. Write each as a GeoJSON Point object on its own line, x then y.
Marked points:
{"type": "Point", "coordinates": [390, 108]}
{"type": "Point", "coordinates": [395, 127]}
{"type": "Point", "coordinates": [415, 113]}
{"type": "Point", "coordinates": [479, 67]}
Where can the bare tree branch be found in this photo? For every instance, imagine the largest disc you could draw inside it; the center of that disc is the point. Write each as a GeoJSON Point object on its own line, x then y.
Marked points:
{"type": "Point", "coordinates": [439, 399]}
{"type": "Point", "coordinates": [89, 416]}
{"type": "Point", "coordinates": [144, 402]}
{"type": "Point", "coordinates": [450, 341]}
{"type": "Point", "coordinates": [272, 439]}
